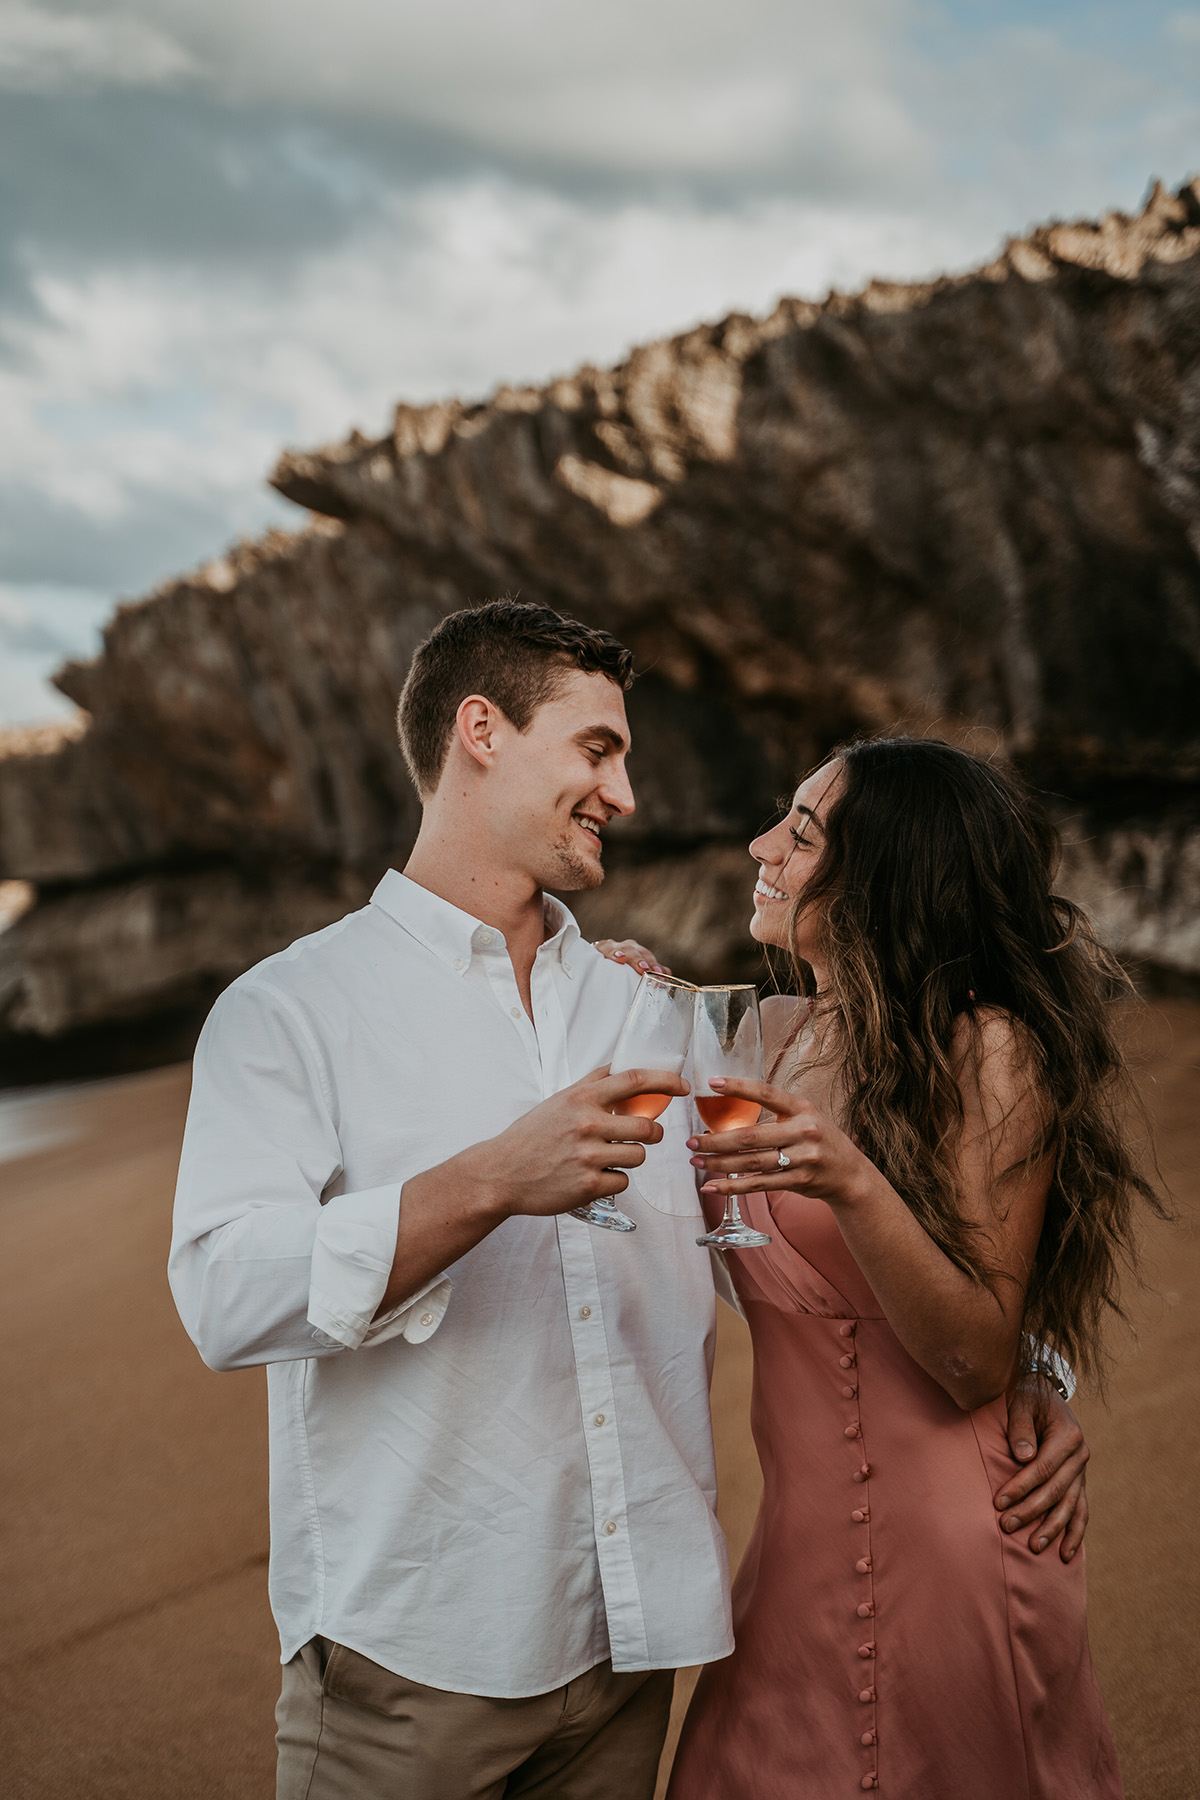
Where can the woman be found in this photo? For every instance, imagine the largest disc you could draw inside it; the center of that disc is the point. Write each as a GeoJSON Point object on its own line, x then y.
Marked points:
{"type": "Point", "coordinates": [945, 1179]}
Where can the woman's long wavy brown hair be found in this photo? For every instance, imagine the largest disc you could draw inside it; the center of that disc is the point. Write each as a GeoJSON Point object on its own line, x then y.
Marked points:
{"type": "Point", "coordinates": [936, 903]}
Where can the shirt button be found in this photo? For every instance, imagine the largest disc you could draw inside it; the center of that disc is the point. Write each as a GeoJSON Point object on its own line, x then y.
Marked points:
{"type": "Point", "coordinates": [585, 1312]}
{"type": "Point", "coordinates": [846, 1362]}
{"type": "Point", "coordinates": [599, 1419]}
{"type": "Point", "coordinates": [845, 1331]}
{"type": "Point", "coordinates": [610, 1525]}
{"type": "Point", "coordinates": [515, 1011]}
{"type": "Point", "coordinates": [866, 1610]}
{"type": "Point", "coordinates": [851, 1431]}
{"type": "Point", "coordinates": [848, 1393]}
{"type": "Point", "coordinates": [566, 968]}
{"type": "Point", "coordinates": [427, 1318]}
{"type": "Point", "coordinates": [867, 1695]}
{"type": "Point", "coordinates": [459, 964]}
{"type": "Point", "coordinates": [864, 1565]}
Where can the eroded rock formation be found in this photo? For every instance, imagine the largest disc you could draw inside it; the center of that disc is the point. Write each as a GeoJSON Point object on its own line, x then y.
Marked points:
{"type": "Point", "coordinates": [970, 506]}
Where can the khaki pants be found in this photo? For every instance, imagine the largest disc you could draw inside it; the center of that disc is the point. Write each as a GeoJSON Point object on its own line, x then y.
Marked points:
{"type": "Point", "coordinates": [350, 1730]}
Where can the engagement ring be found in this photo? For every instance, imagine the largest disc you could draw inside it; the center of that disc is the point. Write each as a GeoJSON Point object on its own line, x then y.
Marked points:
{"type": "Point", "coordinates": [785, 1162]}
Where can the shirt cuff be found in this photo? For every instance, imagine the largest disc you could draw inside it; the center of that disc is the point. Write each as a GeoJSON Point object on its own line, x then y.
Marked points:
{"type": "Point", "coordinates": [352, 1257]}
{"type": "Point", "coordinates": [415, 1319]}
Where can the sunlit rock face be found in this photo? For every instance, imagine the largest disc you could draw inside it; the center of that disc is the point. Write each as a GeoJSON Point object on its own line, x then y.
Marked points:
{"type": "Point", "coordinates": [969, 507]}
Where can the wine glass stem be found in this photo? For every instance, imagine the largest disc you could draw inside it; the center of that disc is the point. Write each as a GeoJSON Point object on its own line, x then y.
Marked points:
{"type": "Point", "coordinates": [733, 1212]}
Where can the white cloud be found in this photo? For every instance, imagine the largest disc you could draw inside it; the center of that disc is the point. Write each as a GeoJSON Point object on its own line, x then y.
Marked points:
{"type": "Point", "coordinates": [1183, 30]}
{"type": "Point", "coordinates": [675, 87]}
{"type": "Point", "coordinates": [45, 52]}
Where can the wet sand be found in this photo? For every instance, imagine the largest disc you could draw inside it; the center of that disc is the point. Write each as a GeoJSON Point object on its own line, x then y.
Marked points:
{"type": "Point", "coordinates": [139, 1659]}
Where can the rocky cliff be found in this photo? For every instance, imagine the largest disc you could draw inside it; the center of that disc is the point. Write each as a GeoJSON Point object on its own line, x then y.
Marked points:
{"type": "Point", "coordinates": [969, 506]}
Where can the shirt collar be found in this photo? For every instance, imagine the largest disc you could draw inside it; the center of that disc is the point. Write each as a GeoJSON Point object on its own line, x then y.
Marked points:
{"type": "Point", "coordinates": [453, 934]}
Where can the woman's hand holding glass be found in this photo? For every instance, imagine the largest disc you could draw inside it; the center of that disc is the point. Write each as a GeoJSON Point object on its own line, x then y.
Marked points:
{"type": "Point", "coordinates": [800, 1151]}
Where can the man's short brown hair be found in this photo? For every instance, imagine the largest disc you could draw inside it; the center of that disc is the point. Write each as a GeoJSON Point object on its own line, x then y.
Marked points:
{"type": "Point", "coordinates": [514, 653]}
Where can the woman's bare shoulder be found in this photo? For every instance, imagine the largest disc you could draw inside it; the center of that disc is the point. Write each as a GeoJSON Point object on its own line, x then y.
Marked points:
{"type": "Point", "coordinates": [997, 1071]}
{"type": "Point", "coordinates": [989, 1039]}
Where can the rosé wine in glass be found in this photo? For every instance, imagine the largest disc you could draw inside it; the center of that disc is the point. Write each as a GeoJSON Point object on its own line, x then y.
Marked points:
{"type": "Point", "coordinates": [724, 1112]}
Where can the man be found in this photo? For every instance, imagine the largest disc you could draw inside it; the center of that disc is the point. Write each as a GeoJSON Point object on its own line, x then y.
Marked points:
{"type": "Point", "coordinates": [492, 1485]}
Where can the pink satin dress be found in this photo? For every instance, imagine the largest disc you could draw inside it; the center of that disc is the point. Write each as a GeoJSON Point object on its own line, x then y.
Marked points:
{"type": "Point", "coordinates": [890, 1637]}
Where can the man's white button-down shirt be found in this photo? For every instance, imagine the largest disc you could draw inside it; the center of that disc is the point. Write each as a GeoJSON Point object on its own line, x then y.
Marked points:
{"type": "Point", "coordinates": [510, 1476]}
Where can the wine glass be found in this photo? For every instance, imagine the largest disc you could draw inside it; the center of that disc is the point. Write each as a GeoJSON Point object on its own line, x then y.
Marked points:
{"type": "Point", "coordinates": [655, 1035]}
{"type": "Point", "coordinates": [727, 1040]}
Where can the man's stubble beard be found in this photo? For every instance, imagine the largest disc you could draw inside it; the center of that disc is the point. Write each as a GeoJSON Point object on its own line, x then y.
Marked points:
{"type": "Point", "coordinates": [570, 873]}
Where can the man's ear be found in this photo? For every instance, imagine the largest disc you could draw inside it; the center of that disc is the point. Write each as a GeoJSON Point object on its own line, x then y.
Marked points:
{"type": "Point", "coordinates": [477, 721]}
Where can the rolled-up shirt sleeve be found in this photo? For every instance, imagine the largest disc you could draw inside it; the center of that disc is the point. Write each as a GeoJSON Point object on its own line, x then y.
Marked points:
{"type": "Point", "coordinates": [270, 1262]}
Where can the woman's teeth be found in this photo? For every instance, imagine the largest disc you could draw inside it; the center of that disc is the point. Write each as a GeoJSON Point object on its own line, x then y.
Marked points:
{"type": "Point", "coordinates": [768, 893]}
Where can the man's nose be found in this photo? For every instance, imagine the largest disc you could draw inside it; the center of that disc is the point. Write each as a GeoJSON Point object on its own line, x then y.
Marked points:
{"type": "Point", "coordinates": [616, 792]}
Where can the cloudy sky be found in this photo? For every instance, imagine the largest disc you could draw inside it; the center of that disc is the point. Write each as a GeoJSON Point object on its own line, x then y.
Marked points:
{"type": "Point", "coordinates": [230, 225]}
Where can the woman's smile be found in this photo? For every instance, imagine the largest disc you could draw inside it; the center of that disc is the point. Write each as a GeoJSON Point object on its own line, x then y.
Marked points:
{"type": "Point", "coordinates": [764, 893]}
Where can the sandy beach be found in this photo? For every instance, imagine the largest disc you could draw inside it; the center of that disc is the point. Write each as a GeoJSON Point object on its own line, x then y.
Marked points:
{"type": "Point", "coordinates": [140, 1660]}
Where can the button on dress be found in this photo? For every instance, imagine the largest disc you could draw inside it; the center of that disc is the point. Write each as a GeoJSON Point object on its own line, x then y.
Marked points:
{"type": "Point", "coordinates": [890, 1637]}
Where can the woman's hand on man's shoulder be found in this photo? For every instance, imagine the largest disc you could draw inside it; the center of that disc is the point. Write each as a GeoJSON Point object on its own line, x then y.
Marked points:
{"type": "Point", "coordinates": [634, 955]}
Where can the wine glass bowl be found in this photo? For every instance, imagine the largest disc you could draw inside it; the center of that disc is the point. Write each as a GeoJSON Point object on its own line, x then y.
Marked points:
{"type": "Point", "coordinates": [645, 1106]}
{"type": "Point", "coordinates": [725, 1112]}
{"type": "Point", "coordinates": [727, 1041]}
{"type": "Point", "coordinates": [655, 1037]}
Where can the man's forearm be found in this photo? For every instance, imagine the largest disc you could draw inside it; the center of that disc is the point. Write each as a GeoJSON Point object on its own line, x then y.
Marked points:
{"type": "Point", "coordinates": [569, 1149]}
{"type": "Point", "coordinates": [444, 1212]}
